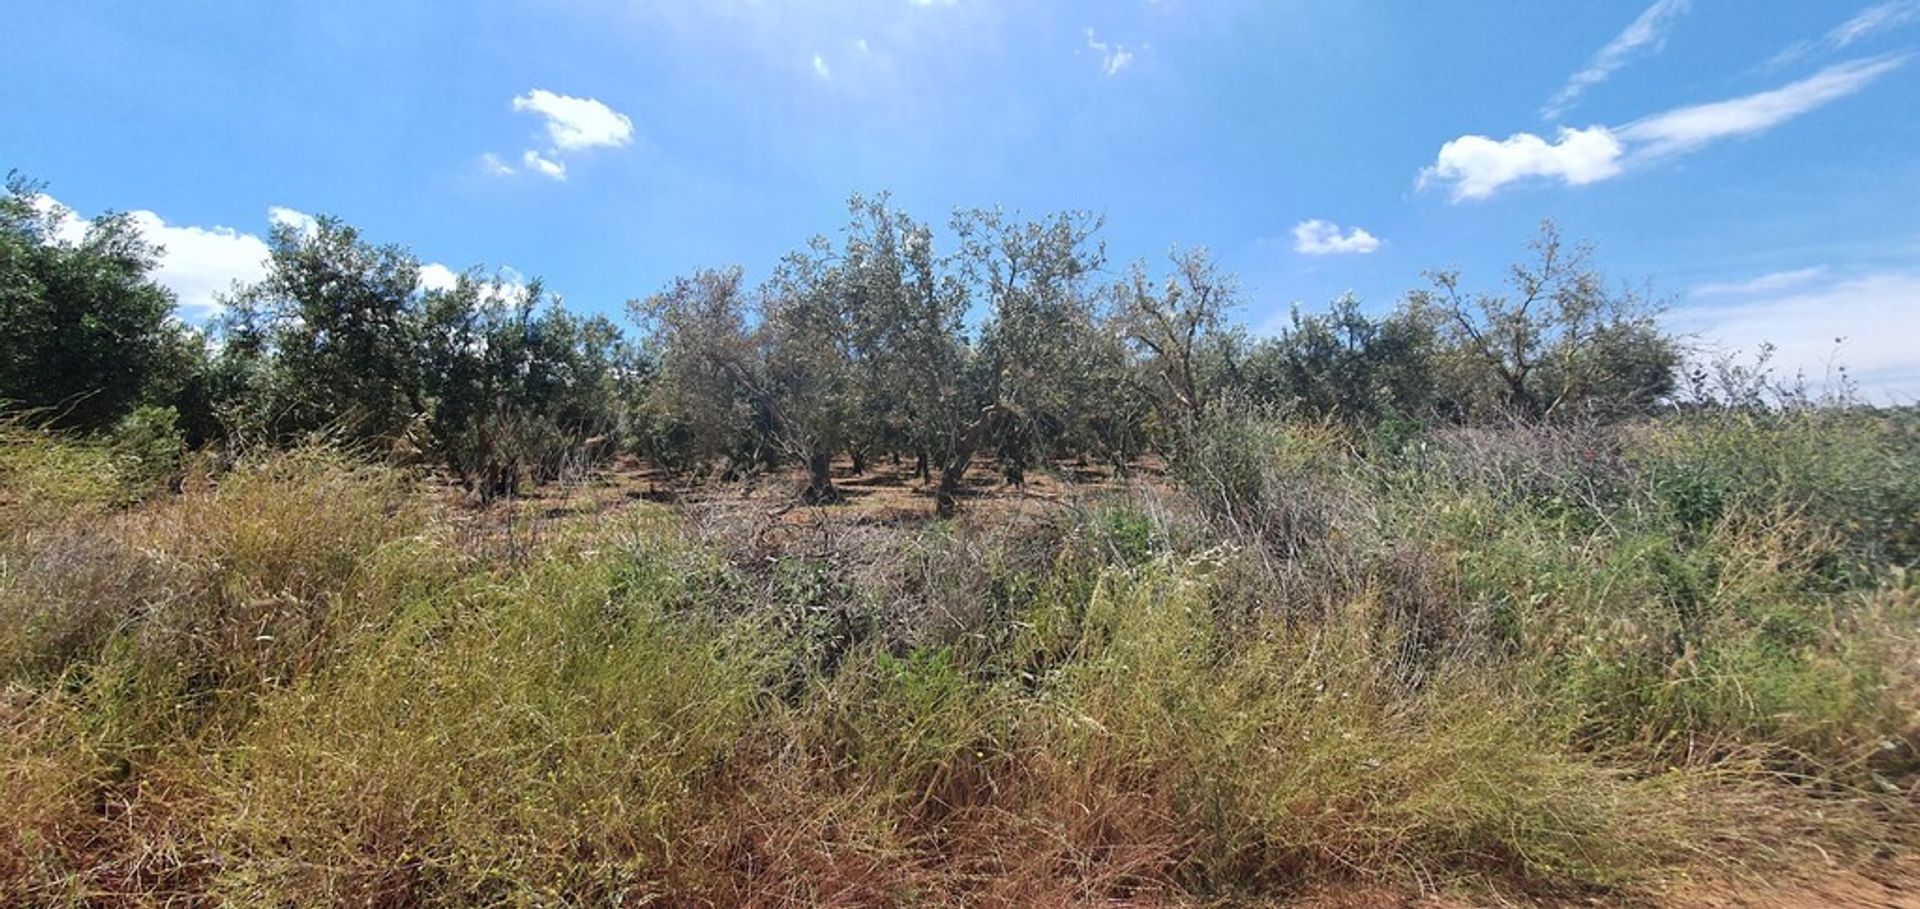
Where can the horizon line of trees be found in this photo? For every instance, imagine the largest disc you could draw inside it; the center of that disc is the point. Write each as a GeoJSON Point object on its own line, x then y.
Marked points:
{"type": "Point", "coordinates": [1005, 338]}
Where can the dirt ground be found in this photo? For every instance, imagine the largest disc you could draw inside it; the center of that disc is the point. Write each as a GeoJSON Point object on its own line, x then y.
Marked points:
{"type": "Point", "coordinates": [1891, 885]}
{"type": "Point", "coordinates": [890, 492]}
{"type": "Point", "coordinates": [886, 494]}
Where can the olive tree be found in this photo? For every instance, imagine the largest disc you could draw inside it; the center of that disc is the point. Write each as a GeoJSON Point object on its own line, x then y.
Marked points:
{"type": "Point", "coordinates": [86, 334]}
{"type": "Point", "coordinates": [1040, 316]}
{"type": "Point", "coordinates": [332, 335]}
{"type": "Point", "coordinates": [810, 351]}
{"type": "Point", "coordinates": [1341, 363]}
{"type": "Point", "coordinates": [1176, 323]}
{"type": "Point", "coordinates": [697, 339]}
{"type": "Point", "coordinates": [517, 386]}
{"type": "Point", "coordinates": [908, 305]}
{"type": "Point", "coordinates": [1115, 395]}
{"type": "Point", "coordinates": [786, 353]}
{"type": "Point", "coordinates": [494, 379]}
{"type": "Point", "coordinates": [1558, 340]}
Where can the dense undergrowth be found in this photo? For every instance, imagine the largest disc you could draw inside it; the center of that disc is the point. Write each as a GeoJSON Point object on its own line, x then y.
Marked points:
{"type": "Point", "coordinates": [1535, 660]}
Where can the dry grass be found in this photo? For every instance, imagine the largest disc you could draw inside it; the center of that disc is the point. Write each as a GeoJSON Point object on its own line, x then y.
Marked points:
{"type": "Point", "coordinates": [1316, 673]}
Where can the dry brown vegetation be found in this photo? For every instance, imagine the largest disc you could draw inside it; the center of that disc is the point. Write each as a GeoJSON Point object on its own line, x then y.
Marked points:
{"type": "Point", "coordinates": [1659, 664]}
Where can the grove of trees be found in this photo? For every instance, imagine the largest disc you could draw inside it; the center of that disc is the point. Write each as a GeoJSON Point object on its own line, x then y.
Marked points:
{"type": "Point", "coordinates": [1001, 338]}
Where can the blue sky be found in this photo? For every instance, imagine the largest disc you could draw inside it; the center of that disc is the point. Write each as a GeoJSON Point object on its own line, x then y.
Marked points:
{"type": "Point", "coordinates": [1755, 163]}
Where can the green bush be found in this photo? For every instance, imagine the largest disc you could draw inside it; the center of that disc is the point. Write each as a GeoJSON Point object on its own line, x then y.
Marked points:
{"type": "Point", "coordinates": [149, 445]}
{"type": "Point", "coordinates": [1856, 472]}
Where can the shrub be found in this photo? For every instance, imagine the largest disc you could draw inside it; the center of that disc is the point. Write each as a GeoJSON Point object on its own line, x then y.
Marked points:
{"type": "Point", "coordinates": [149, 445]}
{"type": "Point", "coordinates": [1856, 472]}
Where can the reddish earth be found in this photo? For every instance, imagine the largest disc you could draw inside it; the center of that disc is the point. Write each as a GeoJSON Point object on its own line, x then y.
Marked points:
{"type": "Point", "coordinates": [1894, 885]}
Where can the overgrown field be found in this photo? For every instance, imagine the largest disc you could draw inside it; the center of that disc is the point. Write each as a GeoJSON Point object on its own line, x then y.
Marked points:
{"type": "Point", "coordinates": [1541, 662]}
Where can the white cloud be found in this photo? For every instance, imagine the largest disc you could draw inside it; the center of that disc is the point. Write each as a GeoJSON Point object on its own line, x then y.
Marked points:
{"type": "Point", "coordinates": [1323, 238]}
{"type": "Point", "coordinates": [199, 264]}
{"type": "Point", "coordinates": [1767, 283]}
{"type": "Point", "coordinates": [435, 276]}
{"type": "Point", "coordinates": [537, 163]}
{"type": "Point", "coordinates": [1113, 57]}
{"type": "Point", "coordinates": [505, 285]}
{"type": "Point", "coordinates": [196, 263]}
{"type": "Point", "coordinates": [492, 164]}
{"type": "Point", "coordinates": [69, 227]}
{"type": "Point", "coordinates": [1647, 30]}
{"type": "Point", "coordinates": [820, 67]}
{"type": "Point", "coordinates": [577, 123]}
{"type": "Point", "coordinates": [301, 222]}
{"type": "Point", "coordinates": [861, 43]}
{"type": "Point", "coordinates": [1853, 322]}
{"type": "Point", "coordinates": [1478, 166]}
{"type": "Point", "coordinates": [573, 124]}
{"type": "Point", "coordinates": [1687, 128]}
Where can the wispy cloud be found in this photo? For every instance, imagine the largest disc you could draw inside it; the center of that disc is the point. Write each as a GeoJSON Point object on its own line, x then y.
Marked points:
{"type": "Point", "coordinates": [546, 167]}
{"type": "Point", "coordinates": [1688, 128]}
{"type": "Point", "coordinates": [1873, 19]}
{"type": "Point", "coordinates": [1818, 324]}
{"type": "Point", "coordinates": [1767, 283]}
{"type": "Point", "coordinates": [1476, 166]}
{"type": "Point", "coordinates": [1317, 237]}
{"type": "Point", "coordinates": [820, 67]}
{"type": "Point", "coordinates": [491, 164]}
{"type": "Point", "coordinates": [1113, 57]}
{"type": "Point", "coordinates": [1864, 24]}
{"type": "Point", "coordinates": [1647, 31]}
